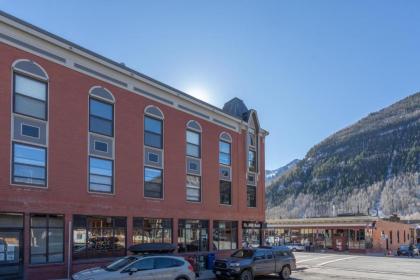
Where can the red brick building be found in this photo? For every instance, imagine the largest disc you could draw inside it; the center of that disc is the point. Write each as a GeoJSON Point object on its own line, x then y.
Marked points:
{"type": "Point", "coordinates": [95, 156]}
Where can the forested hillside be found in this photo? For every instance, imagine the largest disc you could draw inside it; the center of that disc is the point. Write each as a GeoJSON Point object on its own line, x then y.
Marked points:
{"type": "Point", "coordinates": [371, 165]}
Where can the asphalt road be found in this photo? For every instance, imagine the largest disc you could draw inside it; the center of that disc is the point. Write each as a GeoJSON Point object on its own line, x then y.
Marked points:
{"type": "Point", "coordinates": [320, 266]}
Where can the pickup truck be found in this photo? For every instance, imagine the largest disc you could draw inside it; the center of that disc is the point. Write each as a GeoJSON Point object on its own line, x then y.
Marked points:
{"type": "Point", "coordinates": [245, 264]}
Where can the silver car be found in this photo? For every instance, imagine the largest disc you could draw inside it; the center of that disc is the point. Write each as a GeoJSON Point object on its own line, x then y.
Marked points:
{"type": "Point", "coordinates": [144, 267]}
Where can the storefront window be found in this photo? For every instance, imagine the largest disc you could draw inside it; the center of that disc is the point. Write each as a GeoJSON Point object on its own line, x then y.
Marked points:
{"type": "Point", "coordinates": [251, 234]}
{"type": "Point", "coordinates": [295, 236]}
{"type": "Point", "coordinates": [95, 237]}
{"type": "Point", "coordinates": [11, 246]}
{"type": "Point", "coordinates": [225, 235]}
{"type": "Point", "coordinates": [47, 238]}
{"type": "Point", "coordinates": [193, 235]}
{"type": "Point", "coordinates": [150, 230]}
{"type": "Point", "coordinates": [369, 238]}
{"type": "Point", "coordinates": [357, 239]}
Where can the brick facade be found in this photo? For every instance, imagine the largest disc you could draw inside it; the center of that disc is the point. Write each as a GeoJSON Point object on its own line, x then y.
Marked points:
{"type": "Point", "coordinates": [67, 190]}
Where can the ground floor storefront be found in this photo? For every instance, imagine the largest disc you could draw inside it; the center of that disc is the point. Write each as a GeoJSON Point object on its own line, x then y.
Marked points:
{"type": "Point", "coordinates": [318, 238]}
{"type": "Point", "coordinates": [354, 233]}
{"type": "Point", "coordinates": [43, 246]}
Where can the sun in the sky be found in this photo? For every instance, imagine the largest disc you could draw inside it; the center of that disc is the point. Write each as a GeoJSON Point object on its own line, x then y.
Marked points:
{"type": "Point", "coordinates": [200, 93]}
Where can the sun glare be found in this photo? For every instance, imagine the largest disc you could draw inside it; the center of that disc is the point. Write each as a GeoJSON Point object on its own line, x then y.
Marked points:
{"type": "Point", "coordinates": [199, 93]}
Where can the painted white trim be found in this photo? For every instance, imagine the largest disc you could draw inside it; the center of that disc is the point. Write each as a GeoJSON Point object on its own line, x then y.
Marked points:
{"type": "Point", "coordinates": [94, 146]}
{"type": "Point", "coordinates": [193, 128]}
{"type": "Point", "coordinates": [113, 158]}
{"type": "Point", "coordinates": [153, 115]}
{"type": "Point", "coordinates": [12, 130]}
{"type": "Point", "coordinates": [225, 133]}
{"type": "Point", "coordinates": [100, 97]}
{"type": "Point", "coordinates": [26, 124]}
{"type": "Point", "coordinates": [29, 73]}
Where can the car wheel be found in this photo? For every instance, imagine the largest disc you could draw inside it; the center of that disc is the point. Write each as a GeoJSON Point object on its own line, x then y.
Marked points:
{"type": "Point", "coordinates": [285, 272]}
{"type": "Point", "coordinates": [246, 275]}
{"type": "Point", "coordinates": [294, 250]}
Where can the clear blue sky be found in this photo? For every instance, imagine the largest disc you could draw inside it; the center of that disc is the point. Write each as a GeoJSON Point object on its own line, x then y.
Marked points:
{"type": "Point", "coordinates": [308, 67]}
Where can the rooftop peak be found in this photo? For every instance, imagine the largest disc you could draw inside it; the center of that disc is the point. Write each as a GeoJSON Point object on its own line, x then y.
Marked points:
{"type": "Point", "coordinates": [235, 107]}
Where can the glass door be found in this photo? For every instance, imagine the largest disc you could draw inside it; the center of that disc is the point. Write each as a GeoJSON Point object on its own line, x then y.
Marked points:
{"type": "Point", "coordinates": [11, 254]}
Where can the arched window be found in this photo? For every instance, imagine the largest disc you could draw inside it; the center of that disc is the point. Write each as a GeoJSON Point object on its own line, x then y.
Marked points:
{"type": "Point", "coordinates": [101, 111]}
{"type": "Point", "coordinates": [193, 125]}
{"type": "Point", "coordinates": [253, 131]}
{"type": "Point", "coordinates": [193, 136]}
{"type": "Point", "coordinates": [153, 149]}
{"type": "Point", "coordinates": [153, 127]}
{"type": "Point", "coordinates": [30, 94]}
{"type": "Point", "coordinates": [101, 123]}
{"type": "Point", "coordinates": [193, 152]}
{"type": "Point", "coordinates": [102, 93]}
{"type": "Point", "coordinates": [30, 114]}
{"type": "Point", "coordinates": [225, 161]}
{"type": "Point", "coordinates": [253, 155]}
{"type": "Point", "coordinates": [225, 149]}
{"type": "Point", "coordinates": [153, 111]}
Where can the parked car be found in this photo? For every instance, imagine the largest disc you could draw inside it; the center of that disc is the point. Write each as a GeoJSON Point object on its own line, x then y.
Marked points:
{"type": "Point", "coordinates": [404, 250]}
{"type": "Point", "coordinates": [296, 247]}
{"type": "Point", "coordinates": [149, 263]}
{"type": "Point", "coordinates": [244, 264]}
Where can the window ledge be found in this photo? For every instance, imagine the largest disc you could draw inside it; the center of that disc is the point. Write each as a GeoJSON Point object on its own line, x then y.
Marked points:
{"type": "Point", "coordinates": [35, 265]}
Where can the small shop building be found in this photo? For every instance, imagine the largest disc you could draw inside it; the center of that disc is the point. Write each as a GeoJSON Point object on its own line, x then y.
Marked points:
{"type": "Point", "coordinates": [350, 233]}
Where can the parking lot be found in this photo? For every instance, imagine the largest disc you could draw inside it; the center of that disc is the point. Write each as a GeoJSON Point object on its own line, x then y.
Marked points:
{"type": "Point", "coordinates": [320, 266]}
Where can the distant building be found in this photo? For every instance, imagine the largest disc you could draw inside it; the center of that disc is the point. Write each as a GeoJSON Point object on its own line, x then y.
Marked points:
{"type": "Point", "coordinates": [95, 157]}
{"type": "Point", "coordinates": [351, 233]}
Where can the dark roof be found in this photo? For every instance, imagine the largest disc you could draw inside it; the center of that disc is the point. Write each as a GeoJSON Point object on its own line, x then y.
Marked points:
{"type": "Point", "coordinates": [237, 108]}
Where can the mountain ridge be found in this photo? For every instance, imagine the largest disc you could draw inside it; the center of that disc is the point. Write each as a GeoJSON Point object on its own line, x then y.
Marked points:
{"type": "Point", "coordinates": [271, 175]}
{"type": "Point", "coordinates": [371, 164]}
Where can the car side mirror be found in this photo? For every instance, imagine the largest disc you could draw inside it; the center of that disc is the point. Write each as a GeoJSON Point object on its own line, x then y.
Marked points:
{"type": "Point", "coordinates": [132, 270]}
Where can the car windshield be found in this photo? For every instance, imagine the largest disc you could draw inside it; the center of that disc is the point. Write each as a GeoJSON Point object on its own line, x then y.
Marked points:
{"type": "Point", "coordinates": [243, 254]}
{"type": "Point", "coordinates": [117, 265]}
{"type": "Point", "coordinates": [404, 247]}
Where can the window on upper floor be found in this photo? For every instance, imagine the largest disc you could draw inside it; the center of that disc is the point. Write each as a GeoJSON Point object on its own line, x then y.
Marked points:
{"type": "Point", "coordinates": [224, 152]}
{"type": "Point", "coordinates": [153, 182]}
{"type": "Point", "coordinates": [153, 132]}
{"type": "Point", "coordinates": [193, 188]}
{"type": "Point", "coordinates": [251, 138]}
{"type": "Point", "coordinates": [101, 175]}
{"type": "Point", "coordinates": [252, 163]}
{"type": "Point", "coordinates": [193, 144]}
{"type": "Point", "coordinates": [30, 97]}
{"type": "Point", "coordinates": [101, 117]}
{"type": "Point", "coordinates": [225, 192]}
{"type": "Point", "coordinates": [251, 195]}
{"type": "Point", "coordinates": [29, 165]}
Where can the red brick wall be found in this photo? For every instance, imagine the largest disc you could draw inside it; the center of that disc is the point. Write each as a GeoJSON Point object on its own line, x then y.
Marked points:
{"type": "Point", "coordinates": [67, 157]}
{"type": "Point", "coordinates": [387, 227]}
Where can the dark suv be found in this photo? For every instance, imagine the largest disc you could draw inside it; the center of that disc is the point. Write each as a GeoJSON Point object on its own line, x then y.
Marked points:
{"type": "Point", "coordinates": [244, 264]}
